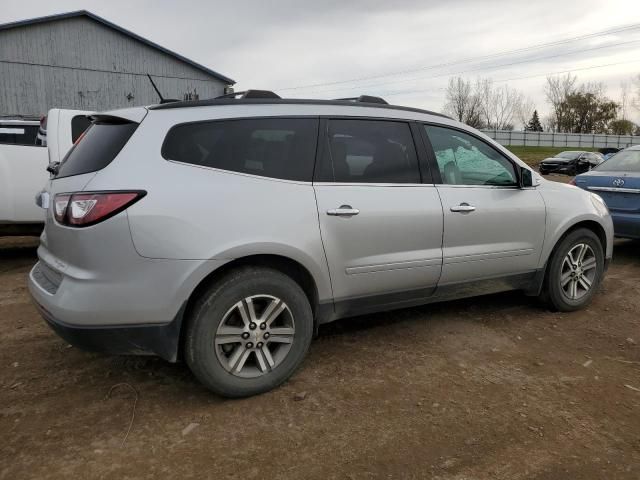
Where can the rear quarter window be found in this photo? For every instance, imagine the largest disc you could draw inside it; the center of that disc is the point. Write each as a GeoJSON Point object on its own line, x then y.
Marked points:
{"type": "Point", "coordinates": [79, 124]}
{"type": "Point", "coordinates": [270, 147]}
{"type": "Point", "coordinates": [100, 145]}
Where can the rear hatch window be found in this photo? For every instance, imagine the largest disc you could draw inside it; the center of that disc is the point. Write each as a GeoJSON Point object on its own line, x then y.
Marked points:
{"type": "Point", "coordinates": [97, 148]}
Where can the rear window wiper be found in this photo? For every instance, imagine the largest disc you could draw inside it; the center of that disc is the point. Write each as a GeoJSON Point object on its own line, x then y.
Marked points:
{"type": "Point", "coordinates": [53, 168]}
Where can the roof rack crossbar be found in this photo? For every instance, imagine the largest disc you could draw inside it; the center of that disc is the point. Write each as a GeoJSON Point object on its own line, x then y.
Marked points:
{"type": "Point", "coordinates": [365, 99]}
{"type": "Point", "coordinates": [251, 94]}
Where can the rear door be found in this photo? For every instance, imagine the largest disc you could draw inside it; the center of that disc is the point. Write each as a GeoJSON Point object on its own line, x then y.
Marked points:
{"type": "Point", "coordinates": [381, 227]}
{"type": "Point", "coordinates": [492, 228]}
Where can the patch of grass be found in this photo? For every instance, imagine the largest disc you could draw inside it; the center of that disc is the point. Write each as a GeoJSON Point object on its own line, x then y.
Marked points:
{"type": "Point", "coordinates": [534, 155]}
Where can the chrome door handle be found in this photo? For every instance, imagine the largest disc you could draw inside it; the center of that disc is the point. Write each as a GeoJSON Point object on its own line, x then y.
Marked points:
{"type": "Point", "coordinates": [463, 208]}
{"type": "Point", "coordinates": [343, 211]}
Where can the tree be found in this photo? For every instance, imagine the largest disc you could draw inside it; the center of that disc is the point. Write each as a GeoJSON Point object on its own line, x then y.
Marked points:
{"type": "Point", "coordinates": [622, 127]}
{"type": "Point", "coordinates": [499, 105]}
{"type": "Point", "coordinates": [557, 90]}
{"type": "Point", "coordinates": [579, 110]}
{"type": "Point", "coordinates": [587, 112]}
{"type": "Point", "coordinates": [635, 102]}
{"type": "Point", "coordinates": [534, 124]}
{"type": "Point", "coordinates": [462, 103]}
{"type": "Point", "coordinates": [624, 99]}
{"type": "Point", "coordinates": [549, 123]}
{"type": "Point", "coordinates": [525, 111]}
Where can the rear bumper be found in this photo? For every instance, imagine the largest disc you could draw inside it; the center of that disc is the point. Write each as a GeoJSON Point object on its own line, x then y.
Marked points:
{"type": "Point", "coordinates": [160, 340]}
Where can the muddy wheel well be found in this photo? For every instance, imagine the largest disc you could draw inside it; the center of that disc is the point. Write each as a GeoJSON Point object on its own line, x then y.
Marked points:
{"type": "Point", "coordinates": [289, 267]}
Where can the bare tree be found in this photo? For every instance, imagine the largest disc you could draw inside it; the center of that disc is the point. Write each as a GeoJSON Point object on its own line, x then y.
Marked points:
{"type": "Point", "coordinates": [525, 112]}
{"type": "Point", "coordinates": [501, 106]}
{"type": "Point", "coordinates": [635, 102]}
{"type": "Point", "coordinates": [549, 123]}
{"type": "Point", "coordinates": [557, 90]}
{"type": "Point", "coordinates": [625, 99]}
{"type": "Point", "coordinates": [462, 103]}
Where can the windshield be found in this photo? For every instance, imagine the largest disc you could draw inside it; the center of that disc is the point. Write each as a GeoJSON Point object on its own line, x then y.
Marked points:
{"type": "Point", "coordinates": [625, 161]}
{"type": "Point", "coordinates": [569, 155]}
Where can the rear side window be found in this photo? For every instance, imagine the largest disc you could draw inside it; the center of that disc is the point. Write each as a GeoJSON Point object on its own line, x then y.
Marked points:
{"type": "Point", "coordinates": [97, 149]}
{"type": "Point", "coordinates": [369, 151]}
{"type": "Point", "coordinates": [18, 134]}
{"type": "Point", "coordinates": [270, 147]}
{"type": "Point", "coordinates": [79, 124]}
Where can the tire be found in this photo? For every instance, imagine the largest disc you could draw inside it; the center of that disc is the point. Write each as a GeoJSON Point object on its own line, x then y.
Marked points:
{"type": "Point", "coordinates": [213, 349]}
{"type": "Point", "coordinates": [558, 291]}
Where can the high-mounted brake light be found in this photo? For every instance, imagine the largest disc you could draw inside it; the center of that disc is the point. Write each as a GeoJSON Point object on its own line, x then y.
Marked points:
{"type": "Point", "coordinates": [88, 208]}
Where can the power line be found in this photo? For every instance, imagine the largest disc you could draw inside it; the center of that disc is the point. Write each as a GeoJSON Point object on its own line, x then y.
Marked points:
{"type": "Point", "coordinates": [491, 67]}
{"type": "Point", "coordinates": [521, 78]}
{"type": "Point", "coordinates": [610, 31]}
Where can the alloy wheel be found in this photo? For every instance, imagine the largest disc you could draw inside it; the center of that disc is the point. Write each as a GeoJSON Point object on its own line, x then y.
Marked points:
{"type": "Point", "coordinates": [255, 336]}
{"type": "Point", "coordinates": [578, 272]}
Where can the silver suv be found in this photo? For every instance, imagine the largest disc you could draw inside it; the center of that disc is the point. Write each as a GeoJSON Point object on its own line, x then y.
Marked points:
{"type": "Point", "coordinates": [225, 231]}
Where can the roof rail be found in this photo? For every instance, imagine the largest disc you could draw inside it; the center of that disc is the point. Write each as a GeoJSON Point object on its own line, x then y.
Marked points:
{"type": "Point", "coordinates": [251, 94]}
{"type": "Point", "coordinates": [365, 99]}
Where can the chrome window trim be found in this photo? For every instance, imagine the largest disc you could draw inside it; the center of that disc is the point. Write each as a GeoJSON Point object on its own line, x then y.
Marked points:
{"type": "Point", "coordinates": [614, 189]}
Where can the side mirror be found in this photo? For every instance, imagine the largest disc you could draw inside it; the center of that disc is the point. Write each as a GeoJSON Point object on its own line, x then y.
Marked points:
{"type": "Point", "coordinates": [526, 178]}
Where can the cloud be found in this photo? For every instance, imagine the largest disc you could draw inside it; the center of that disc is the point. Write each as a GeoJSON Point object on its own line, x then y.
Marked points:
{"type": "Point", "coordinates": [289, 43]}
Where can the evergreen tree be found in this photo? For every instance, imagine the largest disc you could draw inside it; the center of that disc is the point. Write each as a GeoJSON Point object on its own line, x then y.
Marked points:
{"type": "Point", "coordinates": [534, 124]}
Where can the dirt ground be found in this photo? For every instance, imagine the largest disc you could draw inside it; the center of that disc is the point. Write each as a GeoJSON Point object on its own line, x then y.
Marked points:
{"type": "Point", "coordinates": [495, 387]}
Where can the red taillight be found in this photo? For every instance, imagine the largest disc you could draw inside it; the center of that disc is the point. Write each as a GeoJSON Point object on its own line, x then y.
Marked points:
{"type": "Point", "coordinates": [572, 181]}
{"type": "Point", "coordinates": [88, 208]}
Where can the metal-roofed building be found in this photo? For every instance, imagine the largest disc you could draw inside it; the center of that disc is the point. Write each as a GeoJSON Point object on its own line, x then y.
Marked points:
{"type": "Point", "coordinates": [79, 60]}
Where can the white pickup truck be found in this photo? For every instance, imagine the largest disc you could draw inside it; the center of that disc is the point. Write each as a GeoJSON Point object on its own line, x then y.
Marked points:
{"type": "Point", "coordinates": [24, 156]}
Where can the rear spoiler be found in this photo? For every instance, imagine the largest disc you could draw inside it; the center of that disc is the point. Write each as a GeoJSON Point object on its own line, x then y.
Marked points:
{"type": "Point", "coordinates": [127, 115]}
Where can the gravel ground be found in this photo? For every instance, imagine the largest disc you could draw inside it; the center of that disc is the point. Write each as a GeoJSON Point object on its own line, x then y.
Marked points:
{"type": "Point", "coordinates": [493, 387]}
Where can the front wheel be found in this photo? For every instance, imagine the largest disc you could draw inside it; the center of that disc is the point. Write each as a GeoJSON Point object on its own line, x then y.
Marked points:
{"type": "Point", "coordinates": [249, 332]}
{"type": "Point", "coordinates": [575, 271]}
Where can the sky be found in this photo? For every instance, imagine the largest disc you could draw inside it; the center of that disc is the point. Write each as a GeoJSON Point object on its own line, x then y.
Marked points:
{"type": "Point", "coordinates": [402, 50]}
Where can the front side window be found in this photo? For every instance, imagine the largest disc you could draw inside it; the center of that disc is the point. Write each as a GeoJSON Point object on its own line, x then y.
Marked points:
{"type": "Point", "coordinates": [270, 147]}
{"type": "Point", "coordinates": [369, 151]}
{"type": "Point", "coordinates": [465, 160]}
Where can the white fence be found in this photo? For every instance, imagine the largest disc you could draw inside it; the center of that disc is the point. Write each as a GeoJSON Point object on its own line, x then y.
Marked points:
{"type": "Point", "coordinates": [549, 139]}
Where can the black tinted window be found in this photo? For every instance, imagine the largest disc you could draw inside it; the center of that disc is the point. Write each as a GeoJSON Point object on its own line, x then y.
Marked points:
{"type": "Point", "coordinates": [79, 124]}
{"type": "Point", "coordinates": [271, 147]}
{"type": "Point", "coordinates": [18, 134]}
{"type": "Point", "coordinates": [96, 150]}
{"type": "Point", "coordinates": [369, 151]}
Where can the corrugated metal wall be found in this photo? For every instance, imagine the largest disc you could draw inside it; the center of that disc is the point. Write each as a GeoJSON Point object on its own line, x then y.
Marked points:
{"type": "Point", "coordinates": [551, 139]}
{"type": "Point", "coordinates": [80, 63]}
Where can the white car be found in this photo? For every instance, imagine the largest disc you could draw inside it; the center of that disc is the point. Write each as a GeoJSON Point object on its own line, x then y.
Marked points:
{"type": "Point", "coordinates": [26, 149]}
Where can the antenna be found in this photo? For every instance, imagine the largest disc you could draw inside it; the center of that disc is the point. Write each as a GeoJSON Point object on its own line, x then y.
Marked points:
{"type": "Point", "coordinates": [162, 99]}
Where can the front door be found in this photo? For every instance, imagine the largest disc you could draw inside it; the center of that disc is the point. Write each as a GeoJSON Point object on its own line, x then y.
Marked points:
{"type": "Point", "coordinates": [492, 228]}
{"type": "Point", "coordinates": [381, 228]}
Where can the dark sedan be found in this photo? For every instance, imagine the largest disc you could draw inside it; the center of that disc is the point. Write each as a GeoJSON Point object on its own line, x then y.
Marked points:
{"type": "Point", "coordinates": [570, 163]}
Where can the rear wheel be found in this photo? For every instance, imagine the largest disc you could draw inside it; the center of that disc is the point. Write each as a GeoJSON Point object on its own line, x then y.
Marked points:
{"type": "Point", "coordinates": [575, 271]}
{"type": "Point", "coordinates": [249, 332]}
